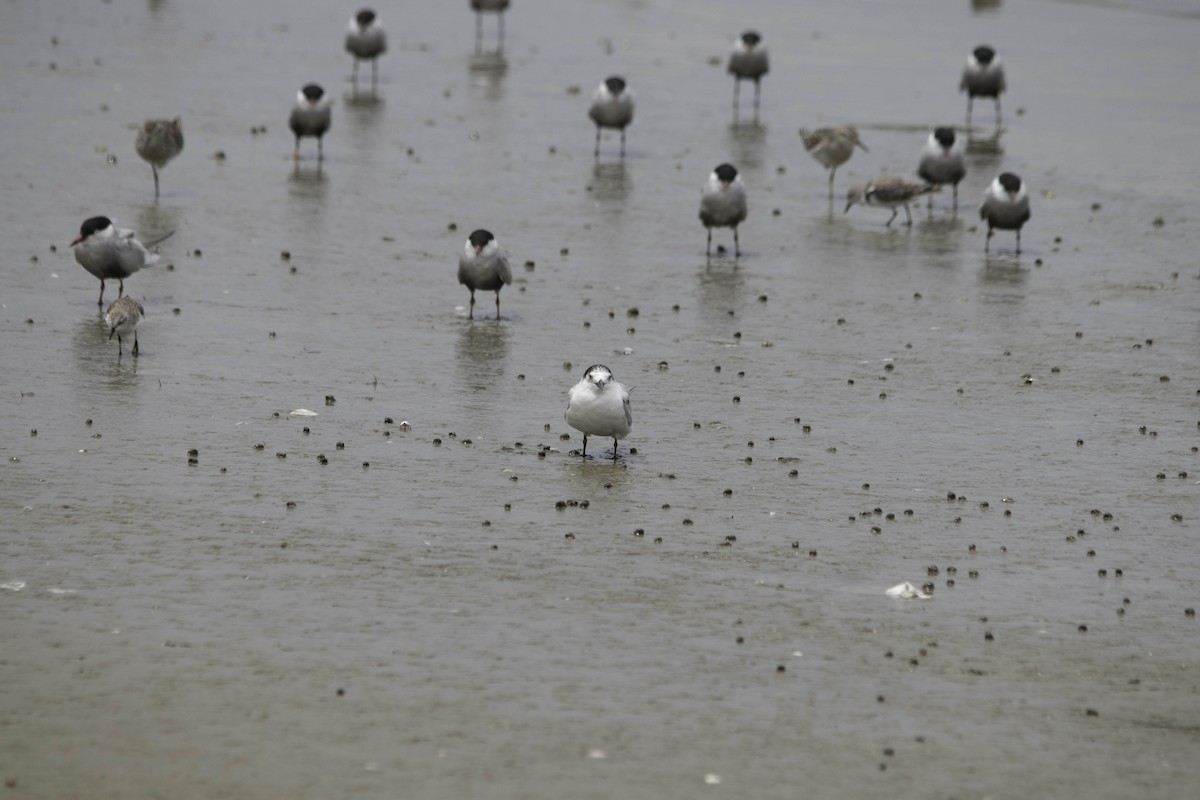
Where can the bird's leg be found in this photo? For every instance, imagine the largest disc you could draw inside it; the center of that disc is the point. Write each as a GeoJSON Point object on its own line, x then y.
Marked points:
{"type": "Point", "coordinates": [597, 140]}
{"type": "Point", "coordinates": [296, 149]}
{"type": "Point", "coordinates": [832, 172]}
{"type": "Point", "coordinates": [583, 452]}
{"type": "Point", "coordinates": [614, 448]}
{"type": "Point", "coordinates": [895, 211]}
{"type": "Point", "coordinates": [320, 149]}
{"type": "Point", "coordinates": [955, 198]}
{"type": "Point", "coordinates": [737, 83]}
{"type": "Point", "coordinates": [622, 142]}
{"type": "Point", "coordinates": [374, 73]}
{"type": "Point", "coordinates": [997, 112]}
{"type": "Point", "coordinates": [120, 288]}
{"type": "Point", "coordinates": [757, 90]}
{"type": "Point", "coordinates": [987, 243]}
{"type": "Point", "coordinates": [100, 302]}
{"type": "Point", "coordinates": [737, 250]}
{"type": "Point", "coordinates": [135, 344]}
{"type": "Point", "coordinates": [154, 169]}
{"type": "Point", "coordinates": [497, 304]}
{"type": "Point", "coordinates": [118, 349]}
{"type": "Point", "coordinates": [708, 249]}
{"type": "Point", "coordinates": [354, 72]}
{"type": "Point", "coordinates": [908, 214]}
{"type": "Point", "coordinates": [471, 313]}
{"type": "Point", "coordinates": [970, 101]}
{"type": "Point", "coordinates": [1018, 241]}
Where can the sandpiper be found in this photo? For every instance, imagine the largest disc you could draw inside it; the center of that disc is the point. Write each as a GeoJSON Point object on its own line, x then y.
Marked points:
{"type": "Point", "coordinates": [122, 318]}
{"type": "Point", "coordinates": [892, 193]}
{"type": "Point", "coordinates": [157, 142]}
{"type": "Point", "coordinates": [832, 147]}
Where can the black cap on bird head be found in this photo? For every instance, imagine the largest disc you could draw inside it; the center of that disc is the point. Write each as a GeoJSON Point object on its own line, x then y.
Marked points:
{"type": "Point", "coordinates": [944, 136]}
{"type": "Point", "coordinates": [1010, 182]}
{"type": "Point", "coordinates": [984, 54]}
{"type": "Point", "coordinates": [364, 18]}
{"type": "Point", "coordinates": [751, 38]}
{"type": "Point", "coordinates": [312, 92]}
{"type": "Point", "coordinates": [726, 173]}
{"type": "Point", "coordinates": [615, 84]}
{"type": "Point", "coordinates": [479, 238]}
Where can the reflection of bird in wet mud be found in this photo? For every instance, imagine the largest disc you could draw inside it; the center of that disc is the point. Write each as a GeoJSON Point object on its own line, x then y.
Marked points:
{"type": "Point", "coordinates": [612, 107]}
{"type": "Point", "coordinates": [122, 319]}
{"type": "Point", "coordinates": [723, 204]}
{"type": "Point", "coordinates": [983, 76]}
{"type": "Point", "coordinates": [942, 161]}
{"type": "Point", "coordinates": [483, 266]}
{"type": "Point", "coordinates": [109, 252]}
{"type": "Point", "coordinates": [1005, 206]}
{"type": "Point", "coordinates": [365, 39]}
{"type": "Point", "coordinates": [311, 116]}
{"type": "Point", "coordinates": [498, 7]}
{"type": "Point", "coordinates": [599, 406]}
{"type": "Point", "coordinates": [748, 61]}
{"type": "Point", "coordinates": [832, 147]}
{"type": "Point", "coordinates": [157, 142]}
{"type": "Point", "coordinates": [893, 193]}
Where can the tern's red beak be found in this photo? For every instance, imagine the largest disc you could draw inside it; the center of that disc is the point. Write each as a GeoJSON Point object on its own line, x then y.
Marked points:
{"type": "Point", "coordinates": [77, 240]}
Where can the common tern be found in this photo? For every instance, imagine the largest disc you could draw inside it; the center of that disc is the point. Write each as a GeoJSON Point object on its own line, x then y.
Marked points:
{"type": "Point", "coordinates": [983, 76]}
{"type": "Point", "coordinates": [109, 252]}
{"type": "Point", "coordinates": [599, 406]}
{"type": "Point", "coordinates": [748, 61]}
{"type": "Point", "coordinates": [942, 161]}
{"type": "Point", "coordinates": [1005, 206]}
{"type": "Point", "coordinates": [311, 116]}
{"type": "Point", "coordinates": [483, 266]}
{"type": "Point", "coordinates": [365, 40]}
{"type": "Point", "coordinates": [612, 107]}
{"type": "Point", "coordinates": [723, 204]}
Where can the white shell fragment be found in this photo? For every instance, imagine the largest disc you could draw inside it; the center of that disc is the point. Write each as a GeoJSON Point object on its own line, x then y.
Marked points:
{"type": "Point", "coordinates": [302, 412]}
{"type": "Point", "coordinates": [906, 591]}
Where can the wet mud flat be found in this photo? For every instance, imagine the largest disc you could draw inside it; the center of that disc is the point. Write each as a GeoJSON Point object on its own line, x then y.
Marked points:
{"type": "Point", "coordinates": [421, 589]}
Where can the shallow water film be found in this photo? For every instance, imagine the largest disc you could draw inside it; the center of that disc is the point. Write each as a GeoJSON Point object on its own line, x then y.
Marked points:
{"type": "Point", "coordinates": [326, 537]}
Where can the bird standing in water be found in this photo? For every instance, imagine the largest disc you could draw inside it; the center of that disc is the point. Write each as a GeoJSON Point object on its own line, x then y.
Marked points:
{"type": "Point", "coordinates": [311, 116]}
{"type": "Point", "coordinates": [1005, 206]}
{"type": "Point", "coordinates": [483, 266]}
{"type": "Point", "coordinates": [983, 76]}
{"type": "Point", "coordinates": [599, 406]}
{"type": "Point", "coordinates": [942, 161]}
{"type": "Point", "coordinates": [612, 107]}
{"type": "Point", "coordinates": [157, 142]}
{"type": "Point", "coordinates": [122, 319]}
{"type": "Point", "coordinates": [109, 252]}
{"type": "Point", "coordinates": [723, 204]}
{"type": "Point", "coordinates": [831, 147]}
{"type": "Point", "coordinates": [365, 39]}
{"type": "Point", "coordinates": [748, 61]}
